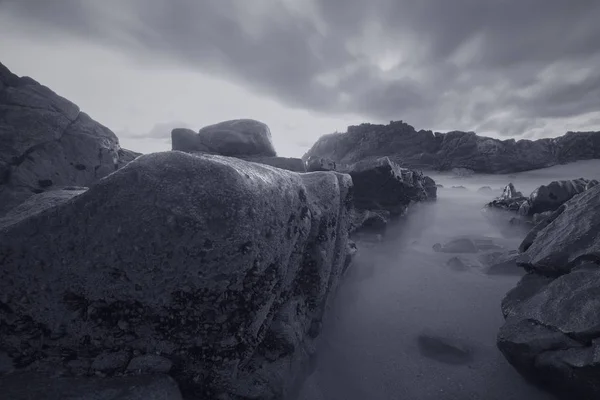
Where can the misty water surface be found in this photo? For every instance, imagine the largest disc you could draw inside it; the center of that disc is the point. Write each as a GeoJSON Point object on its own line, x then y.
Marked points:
{"type": "Point", "coordinates": [400, 288]}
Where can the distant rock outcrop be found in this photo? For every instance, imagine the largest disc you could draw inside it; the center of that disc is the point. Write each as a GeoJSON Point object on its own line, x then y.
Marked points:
{"type": "Point", "coordinates": [234, 138]}
{"type": "Point", "coordinates": [47, 143]}
{"type": "Point", "coordinates": [198, 265]}
{"type": "Point", "coordinates": [446, 151]}
{"type": "Point", "coordinates": [551, 333]}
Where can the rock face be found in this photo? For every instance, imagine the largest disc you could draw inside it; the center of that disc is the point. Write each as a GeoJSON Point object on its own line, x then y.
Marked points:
{"type": "Point", "coordinates": [445, 151]}
{"type": "Point", "coordinates": [234, 138]}
{"type": "Point", "coordinates": [46, 142]}
{"type": "Point", "coordinates": [219, 266]}
{"type": "Point", "coordinates": [566, 239]}
{"type": "Point", "coordinates": [382, 185]}
{"type": "Point", "coordinates": [551, 333]}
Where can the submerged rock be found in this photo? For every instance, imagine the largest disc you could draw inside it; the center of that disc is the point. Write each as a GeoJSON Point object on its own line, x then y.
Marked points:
{"type": "Point", "coordinates": [447, 350]}
{"type": "Point", "coordinates": [460, 245]}
{"type": "Point", "coordinates": [215, 263]}
{"type": "Point", "coordinates": [234, 138]}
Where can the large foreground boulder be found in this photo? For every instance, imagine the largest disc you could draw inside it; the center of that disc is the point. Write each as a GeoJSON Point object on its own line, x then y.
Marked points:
{"type": "Point", "coordinates": [234, 138]}
{"type": "Point", "coordinates": [216, 269]}
{"type": "Point", "coordinates": [46, 142]}
{"type": "Point", "coordinates": [552, 334]}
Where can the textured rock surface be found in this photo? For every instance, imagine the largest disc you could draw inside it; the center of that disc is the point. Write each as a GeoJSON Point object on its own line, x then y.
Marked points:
{"type": "Point", "coordinates": [291, 164]}
{"type": "Point", "coordinates": [234, 138]}
{"type": "Point", "coordinates": [33, 386]}
{"type": "Point", "coordinates": [445, 151]}
{"type": "Point", "coordinates": [551, 333]}
{"type": "Point", "coordinates": [567, 238]}
{"type": "Point", "coordinates": [46, 142]}
{"type": "Point", "coordinates": [219, 265]}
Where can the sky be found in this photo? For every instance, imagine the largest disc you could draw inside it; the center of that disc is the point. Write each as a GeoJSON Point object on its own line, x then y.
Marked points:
{"type": "Point", "coordinates": [501, 68]}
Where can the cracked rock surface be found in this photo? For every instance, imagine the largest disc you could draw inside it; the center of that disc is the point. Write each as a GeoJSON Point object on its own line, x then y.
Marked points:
{"type": "Point", "coordinates": [46, 142]}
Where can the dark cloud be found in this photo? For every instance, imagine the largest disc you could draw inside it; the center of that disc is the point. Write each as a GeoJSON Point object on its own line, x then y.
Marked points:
{"type": "Point", "coordinates": [498, 65]}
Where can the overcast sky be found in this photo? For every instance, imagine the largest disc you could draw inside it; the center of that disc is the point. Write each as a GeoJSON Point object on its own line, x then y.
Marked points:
{"type": "Point", "coordinates": [502, 68]}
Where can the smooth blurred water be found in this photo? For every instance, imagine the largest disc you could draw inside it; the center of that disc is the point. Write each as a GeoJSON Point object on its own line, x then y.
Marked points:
{"type": "Point", "coordinates": [400, 288]}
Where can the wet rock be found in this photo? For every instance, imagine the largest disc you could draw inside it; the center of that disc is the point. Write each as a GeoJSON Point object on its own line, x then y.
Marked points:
{"type": "Point", "coordinates": [460, 245]}
{"type": "Point", "coordinates": [34, 386]}
{"type": "Point", "coordinates": [190, 257]}
{"type": "Point", "coordinates": [314, 164]}
{"type": "Point", "coordinates": [567, 238]}
{"type": "Point", "coordinates": [444, 349]}
{"type": "Point", "coordinates": [150, 363]}
{"type": "Point", "coordinates": [46, 142]}
{"type": "Point", "coordinates": [233, 138]}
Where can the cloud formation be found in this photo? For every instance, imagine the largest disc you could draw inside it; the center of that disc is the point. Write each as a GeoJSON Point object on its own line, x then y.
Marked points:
{"type": "Point", "coordinates": [501, 66]}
